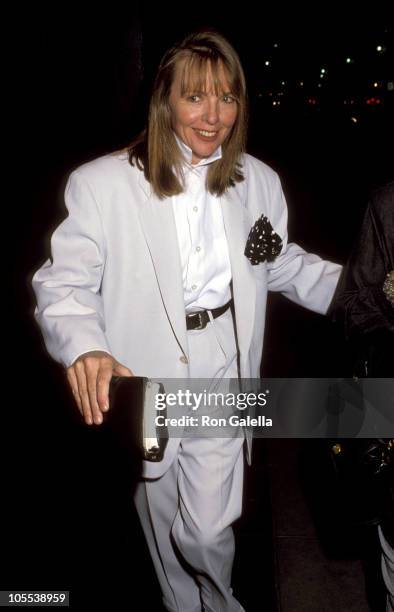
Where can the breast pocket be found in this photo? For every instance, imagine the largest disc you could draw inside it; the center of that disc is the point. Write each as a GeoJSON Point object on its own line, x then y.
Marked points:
{"type": "Point", "coordinates": [259, 272]}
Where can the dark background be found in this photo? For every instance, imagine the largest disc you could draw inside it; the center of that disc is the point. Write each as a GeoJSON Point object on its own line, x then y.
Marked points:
{"type": "Point", "coordinates": [79, 85]}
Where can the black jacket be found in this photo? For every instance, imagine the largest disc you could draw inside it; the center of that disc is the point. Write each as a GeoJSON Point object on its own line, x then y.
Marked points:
{"type": "Point", "coordinates": [367, 316]}
{"type": "Point", "coordinates": [359, 303]}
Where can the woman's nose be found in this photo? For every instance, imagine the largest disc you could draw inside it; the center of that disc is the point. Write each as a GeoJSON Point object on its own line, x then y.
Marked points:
{"type": "Point", "coordinates": [211, 111]}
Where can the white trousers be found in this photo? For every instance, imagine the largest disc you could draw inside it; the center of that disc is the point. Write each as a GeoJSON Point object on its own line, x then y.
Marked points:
{"type": "Point", "coordinates": [187, 514]}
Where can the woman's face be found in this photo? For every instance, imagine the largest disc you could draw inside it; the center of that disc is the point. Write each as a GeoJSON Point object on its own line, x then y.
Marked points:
{"type": "Point", "coordinates": [202, 119]}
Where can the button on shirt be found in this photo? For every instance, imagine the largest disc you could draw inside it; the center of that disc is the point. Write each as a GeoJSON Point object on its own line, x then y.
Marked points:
{"type": "Point", "coordinates": [206, 269]}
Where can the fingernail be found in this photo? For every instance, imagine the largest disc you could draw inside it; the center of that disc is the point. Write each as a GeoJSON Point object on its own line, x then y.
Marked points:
{"type": "Point", "coordinates": [105, 408]}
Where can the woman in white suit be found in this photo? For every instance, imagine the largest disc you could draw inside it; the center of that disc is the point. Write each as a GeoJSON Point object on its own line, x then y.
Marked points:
{"type": "Point", "coordinates": [152, 274]}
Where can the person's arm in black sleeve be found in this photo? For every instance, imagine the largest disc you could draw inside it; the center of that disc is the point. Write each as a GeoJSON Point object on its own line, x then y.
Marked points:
{"type": "Point", "coordinates": [360, 303]}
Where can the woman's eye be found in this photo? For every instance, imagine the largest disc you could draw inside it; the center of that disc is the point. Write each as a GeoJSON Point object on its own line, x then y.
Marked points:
{"type": "Point", "coordinates": [194, 98]}
{"type": "Point", "coordinates": [228, 99]}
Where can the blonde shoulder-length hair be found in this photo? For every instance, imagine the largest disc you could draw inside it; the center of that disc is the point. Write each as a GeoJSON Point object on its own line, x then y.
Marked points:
{"type": "Point", "coordinates": [155, 150]}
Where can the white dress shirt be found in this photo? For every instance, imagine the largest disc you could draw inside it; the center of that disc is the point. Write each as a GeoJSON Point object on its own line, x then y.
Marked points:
{"type": "Point", "coordinates": [206, 269]}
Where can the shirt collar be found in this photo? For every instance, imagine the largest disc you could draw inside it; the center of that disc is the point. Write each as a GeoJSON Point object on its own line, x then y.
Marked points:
{"type": "Point", "coordinates": [187, 154]}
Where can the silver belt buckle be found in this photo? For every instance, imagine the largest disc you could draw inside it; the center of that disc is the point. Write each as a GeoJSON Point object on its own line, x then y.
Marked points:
{"type": "Point", "coordinates": [197, 314]}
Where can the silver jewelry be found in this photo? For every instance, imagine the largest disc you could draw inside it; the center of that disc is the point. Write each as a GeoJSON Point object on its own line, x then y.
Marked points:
{"type": "Point", "coordinates": [388, 287]}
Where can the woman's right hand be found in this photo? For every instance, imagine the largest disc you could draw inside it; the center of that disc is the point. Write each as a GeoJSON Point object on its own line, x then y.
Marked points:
{"type": "Point", "coordinates": [89, 377]}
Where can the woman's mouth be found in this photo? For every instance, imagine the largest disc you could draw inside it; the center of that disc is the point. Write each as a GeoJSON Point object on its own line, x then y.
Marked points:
{"type": "Point", "coordinates": [206, 134]}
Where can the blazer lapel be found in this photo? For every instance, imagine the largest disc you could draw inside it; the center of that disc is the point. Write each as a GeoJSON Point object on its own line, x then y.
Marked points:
{"type": "Point", "coordinates": [158, 224]}
{"type": "Point", "coordinates": [237, 225]}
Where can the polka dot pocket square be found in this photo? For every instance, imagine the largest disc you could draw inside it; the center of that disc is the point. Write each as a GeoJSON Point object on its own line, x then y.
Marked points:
{"type": "Point", "coordinates": [263, 243]}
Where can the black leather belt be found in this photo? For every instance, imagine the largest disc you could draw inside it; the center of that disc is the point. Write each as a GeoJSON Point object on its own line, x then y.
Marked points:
{"type": "Point", "coordinates": [200, 318]}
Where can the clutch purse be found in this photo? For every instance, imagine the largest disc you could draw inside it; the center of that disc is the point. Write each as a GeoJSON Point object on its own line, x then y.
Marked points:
{"type": "Point", "coordinates": [132, 416]}
{"type": "Point", "coordinates": [363, 471]}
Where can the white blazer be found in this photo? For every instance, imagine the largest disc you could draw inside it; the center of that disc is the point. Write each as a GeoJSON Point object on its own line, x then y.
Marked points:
{"type": "Point", "coordinates": [114, 280]}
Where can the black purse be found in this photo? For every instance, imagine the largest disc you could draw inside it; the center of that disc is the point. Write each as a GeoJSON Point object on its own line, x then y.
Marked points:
{"type": "Point", "coordinates": [131, 418]}
{"type": "Point", "coordinates": [363, 471]}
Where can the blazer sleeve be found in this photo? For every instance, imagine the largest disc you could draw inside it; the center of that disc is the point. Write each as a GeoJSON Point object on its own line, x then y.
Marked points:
{"type": "Point", "coordinates": [360, 305]}
{"type": "Point", "coordinates": [67, 287]}
{"type": "Point", "coordinates": [303, 277]}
